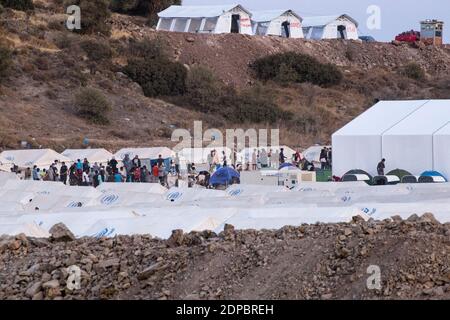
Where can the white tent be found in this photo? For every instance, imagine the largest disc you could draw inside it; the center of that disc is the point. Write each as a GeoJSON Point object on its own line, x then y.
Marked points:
{"type": "Point", "coordinates": [30, 157]}
{"type": "Point", "coordinates": [359, 144]}
{"type": "Point", "coordinates": [5, 164]}
{"type": "Point", "coordinates": [312, 154]}
{"type": "Point", "coordinates": [409, 144]}
{"type": "Point", "coordinates": [283, 23]}
{"type": "Point", "coordinates": [330, 27]}
{"type": "Point", "coordinates": [145, 153]}
{"type": "Point", "coordinates": [101, 156]}
{"type": "Point", "coordinates": [231, 18]}
{"type": "Point", "coordinates": [200, 155]}
{"type": "Point", "coordinates": [441, 154]}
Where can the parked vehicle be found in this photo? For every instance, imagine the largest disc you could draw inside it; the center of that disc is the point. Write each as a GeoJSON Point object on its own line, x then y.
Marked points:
{"type": "Point", "coordinates": [367, 39]}
{"type": "Point", "coordinates": [408, 36]}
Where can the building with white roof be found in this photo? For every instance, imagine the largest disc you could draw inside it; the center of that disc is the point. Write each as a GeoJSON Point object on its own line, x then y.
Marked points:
{"type": "Point", "coordinates": [411, 135]}
{"type": "Point", "coordinates": [232, 18]}
{"type": "Point", "coordinates": [283, 23]}
{"type": "Point", "coordinates": [330, 27]}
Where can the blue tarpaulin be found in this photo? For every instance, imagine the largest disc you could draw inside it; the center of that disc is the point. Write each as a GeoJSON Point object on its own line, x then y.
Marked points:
{"type": "Point", "coordinates": [224, 176]}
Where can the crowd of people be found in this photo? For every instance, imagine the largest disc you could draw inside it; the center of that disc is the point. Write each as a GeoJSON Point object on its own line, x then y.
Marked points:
{"type": "Point", "coordinates": [84, 173]}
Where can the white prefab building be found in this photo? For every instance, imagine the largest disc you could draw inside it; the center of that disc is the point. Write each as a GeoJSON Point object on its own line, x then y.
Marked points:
{"type": "Point", "coordinates": [410, 135]}
{"type": "Point", "coordinates": [330, 27]}
{"type": "Point", "coordinates": [206, 19]}
{"type": "Point", "coordinates": [286, 24]}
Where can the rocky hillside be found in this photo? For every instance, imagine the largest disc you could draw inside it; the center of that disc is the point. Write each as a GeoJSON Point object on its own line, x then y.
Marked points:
{"type": "Point", "coordinates": [50, 65]}
{"type": "Point", "coordinates": [322, 261]}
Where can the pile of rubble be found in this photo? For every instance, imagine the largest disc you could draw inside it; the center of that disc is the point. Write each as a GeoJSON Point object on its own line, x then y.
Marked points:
{"type": "Point", "coordinates": [390, 259]}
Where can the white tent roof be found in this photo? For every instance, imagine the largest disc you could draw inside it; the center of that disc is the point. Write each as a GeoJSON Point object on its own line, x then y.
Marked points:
{"type": "Point", "coordinates": [269, 15]}
{"type": "Point", "coordinates": [31, 157]}
{"type": "Point", "coordinates": [402, 132]}
{"type": "Point", "coordinates": [145, 153]}
{"type": "Point", "coordinates": [5, 164]}
{"type": "Point", "coordinates": [312, 154]}
{"type": "Point", "coordinates": [198, 11]}
{"type": "Point", "coordinates": [380, 117]}
{"type": "Point", "coordinates": [320, 21]}
{"type": "Point", "coordinates": [200, 155]}
{"type": "Point", "coordinates": [93, 155]}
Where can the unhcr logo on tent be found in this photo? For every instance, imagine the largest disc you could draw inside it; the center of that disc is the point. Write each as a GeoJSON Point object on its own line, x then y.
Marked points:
{"type": "Point", "coordinates": [109, 199]}
{"type": "Point", "coordinates": [172, 196]}
{"type": "Point", "coordinates": [106, 232]}
{"type": "Point", "coordinates": [235, 192]}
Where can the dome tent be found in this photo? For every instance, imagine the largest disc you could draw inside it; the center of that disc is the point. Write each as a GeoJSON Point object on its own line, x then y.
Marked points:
{"type": "Point", "coordinates": [357, 175]}
{"type": "Point", "coordinates": [400, 173]}
{"type": "Point", "coordinates": [224, 176]}
{"type": "Point", "coordinates": [433, 176]}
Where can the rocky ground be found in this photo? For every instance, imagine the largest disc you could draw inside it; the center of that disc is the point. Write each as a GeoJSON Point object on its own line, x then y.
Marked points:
{"type": "Point", "coordinates": [322, 261]}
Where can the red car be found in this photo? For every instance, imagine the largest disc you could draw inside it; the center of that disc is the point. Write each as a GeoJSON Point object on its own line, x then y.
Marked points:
{"type": "Point", "coordinates": [409, 36]}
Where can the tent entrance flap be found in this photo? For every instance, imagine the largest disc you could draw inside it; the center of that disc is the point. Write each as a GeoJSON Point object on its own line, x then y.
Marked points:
{"type": "Point", "coordinates": [342, 32]}
{"type": "Point", "coordinates": [286, 29]}
{"type": "Point", "coordinates": [235, 21]}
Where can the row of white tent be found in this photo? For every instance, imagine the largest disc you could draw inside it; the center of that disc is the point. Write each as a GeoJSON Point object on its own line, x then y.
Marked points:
{"type": "Point", "coordinates": [33, 207]}
{"type": "Point", "coordinates": [43, 158]}
{"type": "Point", "coordinates": [234, 18]}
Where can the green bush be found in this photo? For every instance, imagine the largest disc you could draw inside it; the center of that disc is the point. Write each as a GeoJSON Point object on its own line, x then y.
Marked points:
{"type": "Point", "coordinates": [295, 67]}
{"type": "Point", "coordinates": [94, 15]}
{"type": "Point", "coordinates": [147, 8]}
{"type": "Point", "coordinates": [92, 105]}
{"type": "Point", "coordinates": [97, 50]}
{"type": "Point", "coordinates": [22, 5]}
{"type": "Point", "coordinates": [148, 49]}
{"type": "Point", "coordinates": [157, 77]}
{"type": "Point", "coordinates": [5, 61]}
{"type": "Point", "coordinates": [413, 71]}
{"type": "Point", "coordinates": [206, 94]}
{"type": "Point", "coordinates": [202, 89]}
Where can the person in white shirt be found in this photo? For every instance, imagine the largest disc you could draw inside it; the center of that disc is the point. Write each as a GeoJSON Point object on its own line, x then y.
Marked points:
{"type": "Point", "coordinates": [85, 178]}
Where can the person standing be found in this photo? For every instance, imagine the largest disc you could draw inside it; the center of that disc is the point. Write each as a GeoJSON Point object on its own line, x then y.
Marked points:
{"type": "Point", "coordinates": [323, 158]}
{"type": "Point", "coordinates": [282, 156]}
{"type": "Point", "coordinates": [28, 174]}
{"type": "Point", "coordinates": [177, 164]}
{"type": "Point", "coordinates": [254, 159]}
{"type": "Point", "coordinates": [224, 158]}
{"type": "Point", "coordinates": [36, 175]}
{"type": "Point", "coordinates": [128, 166]}
{"type": "Point", "coordinates": [381, 166]}
{"type": "Point", "coordinates": [263, 158]}
{"type": "Point", "coordinates": [160, 161]}
{"type": "Point", "coordinates": [113, 164]}
{"type": "Point", "coordinates": [63, 173]}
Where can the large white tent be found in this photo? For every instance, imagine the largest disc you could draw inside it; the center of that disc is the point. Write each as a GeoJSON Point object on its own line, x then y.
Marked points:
{"type": "Point", "coordinates": [146, 155]}
{"type": "Point", "coordinates": [5, 164]}
{"type": "Point", "coordinates": [231, 18]}
{"type": "Point", "coordinates": [283, 23]}
{"type": "Point", "coordinates": [330, 27]}
{"type": "Point", "coordinates": [410, 135]}
{"type": "Point", "coordinates": [246, 153]}
{"type": "Point", "coordinates": [30, 157]}
{"type": "Point", "coordinates": [101, 156]}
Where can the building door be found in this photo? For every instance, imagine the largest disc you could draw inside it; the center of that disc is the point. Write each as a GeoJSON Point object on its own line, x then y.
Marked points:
{"type": "Point", "coordinates": [235, 22]}
{"type": "Point", "coordinates": [286, 29]}
{"type": "Point", "coordinates": [342, 32]}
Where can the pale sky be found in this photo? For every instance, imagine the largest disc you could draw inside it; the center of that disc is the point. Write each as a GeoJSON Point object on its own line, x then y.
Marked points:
{"type": "Point", "coordinates": [396, 15]}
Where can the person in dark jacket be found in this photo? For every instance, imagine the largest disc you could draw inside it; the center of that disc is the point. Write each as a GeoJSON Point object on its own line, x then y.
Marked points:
{"type": "Point", "coordinates": [63, 173]}
{"type": "Point", "coordinates": [381, 166]}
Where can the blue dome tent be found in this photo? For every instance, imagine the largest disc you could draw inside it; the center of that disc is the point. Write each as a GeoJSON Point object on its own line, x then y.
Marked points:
{"type": "Point", "coordinates": [433, 174]}
{"type": "Point", "coordinates": [224, 176]}
{"type": "Point", "coordinates": [286, 164]}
